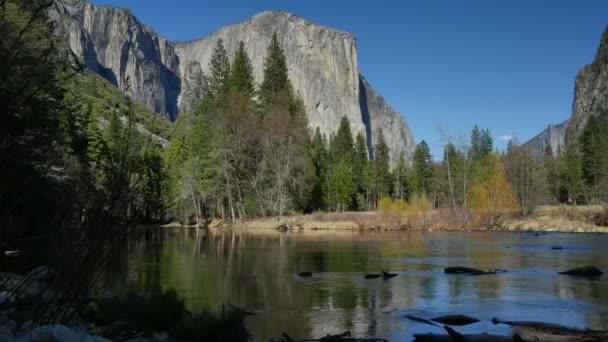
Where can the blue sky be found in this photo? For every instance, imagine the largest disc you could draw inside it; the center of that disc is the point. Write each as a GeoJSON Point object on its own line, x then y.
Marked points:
{"type": "Point", "coordinates": [508, 66]}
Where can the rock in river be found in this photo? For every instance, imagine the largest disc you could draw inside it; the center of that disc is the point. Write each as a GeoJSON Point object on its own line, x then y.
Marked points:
{"type": "Point", "coordinates": [587, 271]}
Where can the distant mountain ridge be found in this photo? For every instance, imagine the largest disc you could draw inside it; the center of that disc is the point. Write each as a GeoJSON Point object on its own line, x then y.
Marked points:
{"type": "Point", "coordinates": [553, 135]}
{"type": "Point", "coordinates": [322, 62]}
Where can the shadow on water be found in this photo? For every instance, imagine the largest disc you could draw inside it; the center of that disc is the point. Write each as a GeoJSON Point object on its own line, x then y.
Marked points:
{"type": "Point", "coordinates": [258, 273]}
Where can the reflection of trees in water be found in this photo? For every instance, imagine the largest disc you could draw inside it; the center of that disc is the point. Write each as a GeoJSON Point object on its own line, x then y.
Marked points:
{"type": "Point", "coordinates": [210, 267]}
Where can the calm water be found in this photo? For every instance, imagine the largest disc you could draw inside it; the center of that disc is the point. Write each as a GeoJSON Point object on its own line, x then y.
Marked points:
{"type": "Point", "coordinates": [257, 272]}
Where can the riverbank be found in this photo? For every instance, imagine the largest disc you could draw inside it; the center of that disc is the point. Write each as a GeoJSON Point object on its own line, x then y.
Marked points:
{"type": "Point", "coordinates": [583, 219]}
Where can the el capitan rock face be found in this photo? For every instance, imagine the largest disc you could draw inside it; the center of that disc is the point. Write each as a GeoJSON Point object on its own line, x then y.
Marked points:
{"type": "Point", "coordinates": [322, 62]}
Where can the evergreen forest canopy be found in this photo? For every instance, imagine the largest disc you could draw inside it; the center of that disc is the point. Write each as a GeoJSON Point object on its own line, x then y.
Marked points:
{"type": "Point", "coordinates": [76, 150]}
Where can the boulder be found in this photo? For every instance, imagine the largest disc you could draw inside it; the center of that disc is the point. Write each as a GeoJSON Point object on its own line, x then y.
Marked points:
{"type": "Point", "coordinates": [56, 332]}
{"type": "Point", "coordinates": [587, 271]}
{"type": "Point", "coordinates": [106, 295]}
{"type": "Point", "coordinates": [5, 334]}
{"type": "Point", "coordinates": [40, 273]}
{"type": "Point", "coordinates": [118, 329]}
{"type": "Point", "coordinates": [455, 320]}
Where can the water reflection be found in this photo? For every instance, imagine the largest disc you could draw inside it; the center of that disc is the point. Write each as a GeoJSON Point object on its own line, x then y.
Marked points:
{"type": "Point", "coordinates": [257, 272]}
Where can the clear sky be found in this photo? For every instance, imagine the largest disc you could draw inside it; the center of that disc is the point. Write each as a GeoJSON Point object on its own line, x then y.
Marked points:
{"type": "Point", "coordinates": [508, 66]}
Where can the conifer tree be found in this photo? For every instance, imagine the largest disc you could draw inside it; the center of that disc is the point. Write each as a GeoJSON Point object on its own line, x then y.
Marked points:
{"type": "Point", "coordinates": [400, 177]}
{"type": "Point", "coordinates": [241, 74]}
{"type": "Point", "coordinates": [217, 80]}
{"type": "Point", "coordinates": [422, 169]}
{"type": "Point", "coordinates": [382, 161]}
{"type": "Point", "coordinates": [342, 143]}
{"type": "Point", "coordinates": [275, 73]}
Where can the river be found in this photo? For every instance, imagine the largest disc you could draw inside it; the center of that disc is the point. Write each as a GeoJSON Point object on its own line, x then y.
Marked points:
{"type": "Point", "coordinates": [257, 271]}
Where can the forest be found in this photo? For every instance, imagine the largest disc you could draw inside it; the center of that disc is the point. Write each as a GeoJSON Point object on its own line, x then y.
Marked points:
{"type": "Point", "coordinates": [76, 151]}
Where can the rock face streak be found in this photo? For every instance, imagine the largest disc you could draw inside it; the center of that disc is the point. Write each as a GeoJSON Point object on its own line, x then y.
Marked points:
{"type": "Point", "coordinates": [322, 62]}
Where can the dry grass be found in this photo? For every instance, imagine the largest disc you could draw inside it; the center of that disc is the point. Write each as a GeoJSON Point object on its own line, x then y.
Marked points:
{"type": "Point", "coordinates": [402, 216]}
{"type": "Point", "coordinates": [563, 218]}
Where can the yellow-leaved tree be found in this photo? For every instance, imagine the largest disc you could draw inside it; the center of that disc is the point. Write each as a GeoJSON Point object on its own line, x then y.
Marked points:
{"type": "Point", "coordinates": [492, 197]}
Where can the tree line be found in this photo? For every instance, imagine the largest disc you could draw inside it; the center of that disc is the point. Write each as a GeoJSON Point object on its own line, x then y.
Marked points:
{"type": "Point", "coordinates": [73, 148]}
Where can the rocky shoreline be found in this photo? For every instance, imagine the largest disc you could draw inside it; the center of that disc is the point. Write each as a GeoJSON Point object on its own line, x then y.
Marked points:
{"type": "Point", "coordinates": [28, 299]}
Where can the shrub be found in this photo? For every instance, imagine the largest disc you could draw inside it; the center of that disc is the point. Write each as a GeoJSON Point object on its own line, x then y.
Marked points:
{"type": "Point", "coordinates": [227, 325]}
{"type": "Point", "coordinates": [393, 212]}
{"type": "Point", "coordinates": [601, 218]}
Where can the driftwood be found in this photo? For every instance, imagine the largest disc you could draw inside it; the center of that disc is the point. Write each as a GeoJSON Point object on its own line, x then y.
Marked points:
{"type": "Point", "coordinates": [421, 320]}
{"type": "Point", "coordinates": [556, 329]}
{"type": "Point", "coordinates": [541, 331]}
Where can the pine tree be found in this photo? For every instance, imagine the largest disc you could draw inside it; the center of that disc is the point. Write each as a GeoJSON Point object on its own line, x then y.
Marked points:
{"type": "Point", "coordinates": [241, 75]}
{"type": "Point", "coordinates": [217, 80]}
{"type": "Point", "coordinates": [318, 156]}
{"type": "Point", "coordinates": [486, 144]}
{"type": "Point", "coordinates": [476, 143]}
{"type": "Point", "coordinates": [400, 177]}
{"type": "Point", "coordinates": [593, 144]}
{"type": "Point", "coordinates": [382, 161]}
{"type": "Point", "coordinates": [573, 176]}
{"type": "Point", "coordinates": [422, 169]}
{"type": "Point", "coordinates": [342, 143]}
{"type": "Point", "coordinates": [276, 77]}
{"type": "Point", "coordinates": [548, 151]}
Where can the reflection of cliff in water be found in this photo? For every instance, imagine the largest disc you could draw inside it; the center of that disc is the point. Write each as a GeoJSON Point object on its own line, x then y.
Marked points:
{"type": "Point", "coordinates": [258, 273]}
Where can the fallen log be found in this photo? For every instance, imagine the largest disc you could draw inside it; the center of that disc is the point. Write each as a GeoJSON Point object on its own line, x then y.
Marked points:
{"type": "Point", "coordinates": [457, 337]}
{"type": "Point", "coordinates": [421, 320]}
{"type": "Point", "coordinates": [553, 328]}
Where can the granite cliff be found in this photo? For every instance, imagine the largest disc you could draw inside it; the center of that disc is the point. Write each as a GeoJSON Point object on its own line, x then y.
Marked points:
{"type": "Point", "coordinates": [322, 62]}
{"type": "Point", "coordinates": [590, 97]}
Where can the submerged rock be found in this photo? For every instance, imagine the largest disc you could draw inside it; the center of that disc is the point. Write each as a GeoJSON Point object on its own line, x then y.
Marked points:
{"type": "Point", "coordinates": [460, 270]}
{"type": "Point", "coordinates": [387, 275]}
{"type": "Point", "coordinates": [371, 276]}
{"type": "Point", "coordinates": [587, 271]}
{"type": "Point", "coordinates": [455, 320]}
